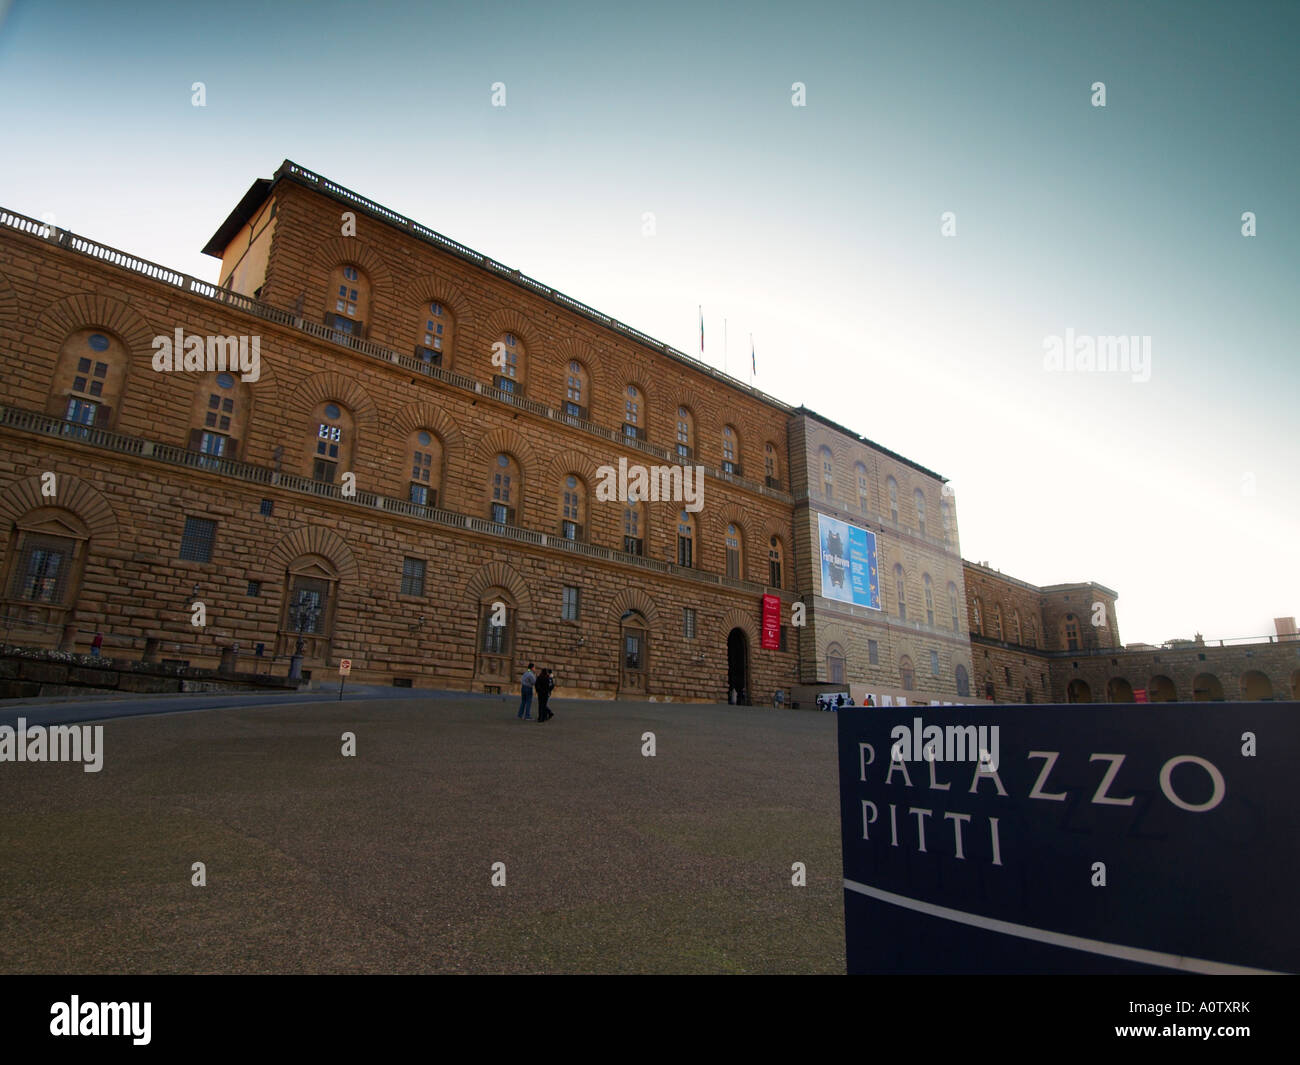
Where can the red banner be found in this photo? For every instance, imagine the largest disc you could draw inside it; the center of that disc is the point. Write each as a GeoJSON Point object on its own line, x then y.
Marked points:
{"type": "Point", "coordinates": [1139, 695]}
{"type": "Point", "coordinates": [771, 623]}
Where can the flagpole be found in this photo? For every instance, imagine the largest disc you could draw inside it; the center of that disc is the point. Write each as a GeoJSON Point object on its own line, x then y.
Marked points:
{"type": "Point", "coordinates": [724, 347]}
{"type": "Point", "coordinates": [751, 360]}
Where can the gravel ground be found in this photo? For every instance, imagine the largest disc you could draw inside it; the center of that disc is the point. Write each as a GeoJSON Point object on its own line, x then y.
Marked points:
{"type": "Point", "coordinates": [615, 862]}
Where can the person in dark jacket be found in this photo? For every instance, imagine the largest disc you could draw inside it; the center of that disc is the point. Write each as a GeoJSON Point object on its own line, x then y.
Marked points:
{"type": "Point", "coordinates": [545, 685]}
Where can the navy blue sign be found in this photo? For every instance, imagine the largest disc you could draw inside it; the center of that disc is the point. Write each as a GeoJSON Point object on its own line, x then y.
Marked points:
{"type": "Point", "coordinates": [1071, 839]}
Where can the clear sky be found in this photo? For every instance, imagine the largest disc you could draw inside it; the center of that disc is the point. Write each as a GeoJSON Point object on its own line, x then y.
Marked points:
{"type": "Point", "coordinates": [815, 228]}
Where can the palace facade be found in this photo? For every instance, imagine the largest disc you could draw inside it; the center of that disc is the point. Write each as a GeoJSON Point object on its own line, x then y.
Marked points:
{"type": "Point", "coordinates": [371, 439]}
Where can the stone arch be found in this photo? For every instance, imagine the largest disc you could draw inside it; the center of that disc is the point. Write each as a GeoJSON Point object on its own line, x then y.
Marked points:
{"type": "Point", "coordinates": [509, 320]}
{"type": "Point", "coordinates": [1161, 689]}
{"type": "Point", "coordinates": [427, 416]}
{"type": "Point", "coordinates": [1119, 690]}
{"type": "Point", "coordinates": [572, 461]}
{"type": "Point", "coordinates": [638, 600]}
{"type": "Point", "coordinates": [436, 287]}
{"type": "Point", "coordinates": [1078, 691]}
{"type": "Point", "coordinates": [827, 635]}
{"type": "Point", "coordinates": [89, 310]}
{"type": "Point", "coordinates": [1295, 685]}
{"type": "Point", "coordinates": [498, 575]}
{"type": "Point", "coordinates": [315, 540]}
{"type": "Point", "coordinates": [74, 495]}
{"type": "Point", "coordinates": [1255, 686]}
{"type": "Point", "coordinates": [340, 250]}
{"type": "Point", "coordinates": [743, 620]}
{"type": "Point", "coordinates": [336, 387]}
{"type": "Point", "coordinates": [1207, 688]}
{"type": "Point", "coordinates": [510, 440]}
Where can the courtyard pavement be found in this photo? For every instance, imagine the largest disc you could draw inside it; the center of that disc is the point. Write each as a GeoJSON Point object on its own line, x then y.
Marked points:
{"type": "Point", "coordinates": [318, 863]}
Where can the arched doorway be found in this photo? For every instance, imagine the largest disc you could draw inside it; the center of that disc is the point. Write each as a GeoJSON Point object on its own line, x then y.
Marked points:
{"type": "Point", "coordinates": [1256, 686]}
{"type": "Point", "coordinates": [634, 655]}
{"type": "Point", "coordinates": [1119, 690]}
{"type": "Point", "coordinates": [1207, 689]}
{"type": "Point", "coordinates": [1078, 692]}
{"type": "Point", "coordinates": [1160, 689]}
{"type": "Point", "coordinates": [738, 664]}
{"type": "Point", "coordinates": [1295, 685]}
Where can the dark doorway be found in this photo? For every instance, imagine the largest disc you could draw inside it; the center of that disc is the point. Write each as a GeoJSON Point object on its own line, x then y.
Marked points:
{"type": "Point", "coordinates": [738, 665]}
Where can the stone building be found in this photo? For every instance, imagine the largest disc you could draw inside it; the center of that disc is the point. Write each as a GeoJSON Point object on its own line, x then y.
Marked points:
{"type": "Point", "coordinates": [377, 443]}
{"type": "Point", "coordinates": [1061, 644]}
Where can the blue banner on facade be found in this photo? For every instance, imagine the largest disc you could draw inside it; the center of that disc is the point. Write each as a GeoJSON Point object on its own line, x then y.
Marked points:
{"type": "Point", "coordinates": [848, 563]}
{"type": "Point", "coordinates": [1071, 839]}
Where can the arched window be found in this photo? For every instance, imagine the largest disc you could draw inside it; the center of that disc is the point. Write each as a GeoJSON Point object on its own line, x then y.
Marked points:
{"type": "Point", "coordinates": [1015, 626]}
{"type": "Point", "coordinates": [573, 507]}
{"type": "Point", "coordinates": [219, 416]}
{"type": "Point", "coordinates": [963, 682]}
{"type": "Point", "coordinates": [576, 388]}
{"type": "Point", "coordinates": [436, 336]}
{"type": "Point", "coordinates": [425, 451]}
{"type": "Point", "coordinates": [893, 500]}
{"type": "Point", "coordinates": [685, 539]}
{"type": "Point", "coordinates": [907, 674]}
{"type": "Point", "coordinates": [979, 616]}
{"type": "Point", "coordinates": [88, 379]}
{"type": "Point", "coordinates": [632, 426]}
{"type": "Point", "coordinates": [863, 494]}
{"type": "Point", "coordinates": [348, 306]}
{"type": "Point", "coordinates": [918, 497]}
{"type": "Point", "coordinates": [775, 556]}
{"type": "Point", "coordinates": [330, 447]}
{"type": "Point", "coordinates": [510, 361]}
{"type": "Point", "coordinates": [945, 512]}
{"type": "Point", "coordinates": [730, 450]}
{"type": "Point", "coordinates": [496, 641]}
{"type": "Point", "coordinates": [1070, 632]}
{"type": "Point", "coordinates": [900, 590]}
{"type": "Point", "coordinates": [634, 527]}
{"type": "Point", "coordinates": [771, 466]}
{"type": "Point", "coordinates": [952, 606]}
{"type": "Point", "coordinates": [828, 472]}
{"type": "Point", "coordinates": [685, 434]}
{"type": "Point", "coordinates": [507, 490]}
{"type": "Point", "coordinates": [735, 553]}
{"type": "Point", "coordinates": [835, 664]}
{"type": "Point", "coordinates": [997, 621]}
{"type": "Point", "coordinates": [929, 600]}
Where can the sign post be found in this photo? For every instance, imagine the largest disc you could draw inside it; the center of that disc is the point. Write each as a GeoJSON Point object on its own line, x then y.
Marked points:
{"type": "Point", "coordinates": [345, 667]}
{"type": "Point", "coordinates": [1094, 838]}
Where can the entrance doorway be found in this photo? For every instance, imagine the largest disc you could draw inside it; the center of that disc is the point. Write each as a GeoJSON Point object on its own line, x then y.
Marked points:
{"type": "Point", "coordinates": [633, 655]}
{"type": "Point", "coordinates": [738, 665]}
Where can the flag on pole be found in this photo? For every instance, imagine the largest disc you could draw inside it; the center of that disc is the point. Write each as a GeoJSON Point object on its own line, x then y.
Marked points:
{"type": "Point", "coordinates": [753, 359]}
{"type": "Point", "coordinates": [701, 329]}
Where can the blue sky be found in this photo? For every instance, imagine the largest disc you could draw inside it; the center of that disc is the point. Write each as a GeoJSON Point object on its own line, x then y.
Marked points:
{"type": "Point", "coordinates": [816, 228]}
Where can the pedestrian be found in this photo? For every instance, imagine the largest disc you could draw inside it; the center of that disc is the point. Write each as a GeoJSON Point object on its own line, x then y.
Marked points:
{"type": "Point", "coordinates": [545, 685]}
{"type": "Point", "coordinates": [526, 693]}
{"type": "Point", "coordinates": [96, 644]}
{"type": "Point", "coordinates": [871, 700]}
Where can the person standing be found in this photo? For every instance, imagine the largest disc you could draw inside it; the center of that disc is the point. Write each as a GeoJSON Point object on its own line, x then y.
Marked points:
{"type": "Point", "coordinates": [96, 644]}
{"type": "Point", "coordinates": [545, 685]}
{"type": "Point", "coordinates": [526, 693]}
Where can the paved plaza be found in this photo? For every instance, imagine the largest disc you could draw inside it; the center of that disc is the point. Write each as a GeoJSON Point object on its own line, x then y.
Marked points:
{"type": "Point", "coordinates": [382, 862]}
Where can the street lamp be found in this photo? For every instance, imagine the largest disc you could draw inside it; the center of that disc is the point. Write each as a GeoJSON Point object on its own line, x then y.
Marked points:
{"type": "Point", "coordinates": [303, 616]}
